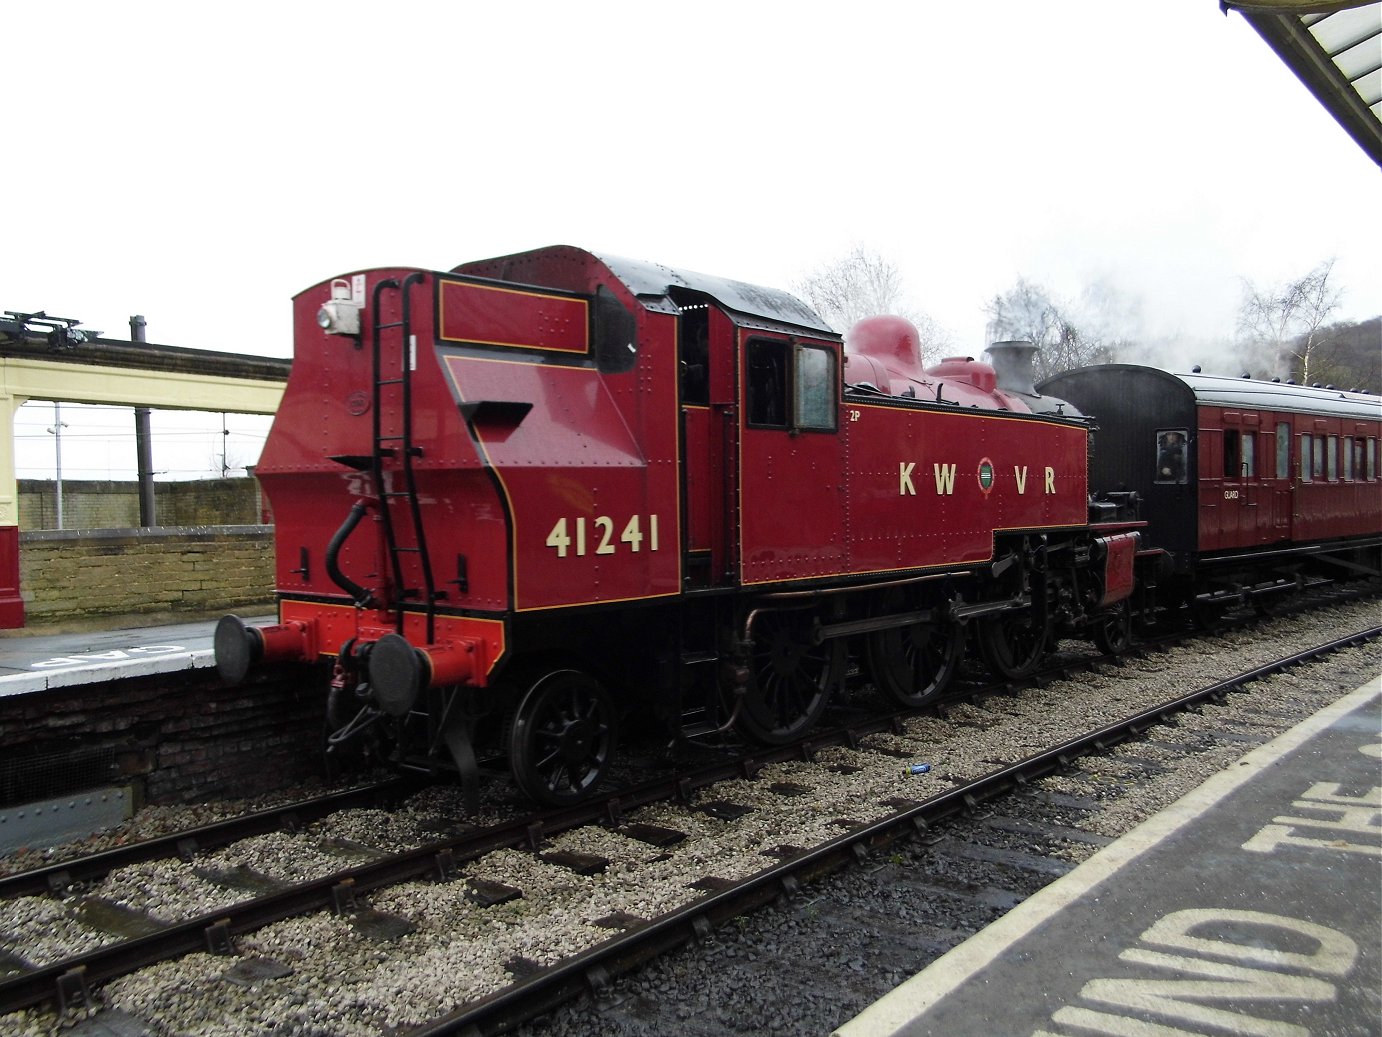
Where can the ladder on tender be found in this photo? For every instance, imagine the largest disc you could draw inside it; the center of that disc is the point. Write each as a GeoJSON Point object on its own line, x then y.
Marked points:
{"type": "Point", "coordinates": [392, 346]}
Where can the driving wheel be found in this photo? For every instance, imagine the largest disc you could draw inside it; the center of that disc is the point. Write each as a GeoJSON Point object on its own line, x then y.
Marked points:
{"type": "Point", "coordinates": [561, 737]}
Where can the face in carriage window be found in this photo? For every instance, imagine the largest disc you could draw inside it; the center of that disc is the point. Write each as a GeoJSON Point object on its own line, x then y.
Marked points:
{"type": "Point", "coordinates": [1170, 456]}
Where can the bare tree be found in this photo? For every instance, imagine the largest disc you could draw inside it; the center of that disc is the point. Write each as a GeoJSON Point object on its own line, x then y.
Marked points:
{"type": "Point", "coordinates": [1289, 320]}
{"type": "Point", "coordinates": [1028, 312]}
{"type": "Point", "coordinates": [864, 284]}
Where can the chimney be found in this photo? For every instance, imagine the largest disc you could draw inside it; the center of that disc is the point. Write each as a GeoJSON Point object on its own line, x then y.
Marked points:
{"type": "Point", "coordinates": [1012, 362]}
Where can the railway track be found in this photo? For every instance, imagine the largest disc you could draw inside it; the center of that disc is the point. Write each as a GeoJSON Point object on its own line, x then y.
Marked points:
{"type": "Point", "coordinates": [695, 807]}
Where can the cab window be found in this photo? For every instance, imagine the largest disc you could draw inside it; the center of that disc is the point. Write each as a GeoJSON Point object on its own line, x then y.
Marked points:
{"type": "Point", "coordinates": [810, 371]}
{"type": "Point", "coordinates": [816, 388]}
{"type": "Point", "coordinates": [1170, 455]}
{"type": "Point", "coordinates": [767, 383]}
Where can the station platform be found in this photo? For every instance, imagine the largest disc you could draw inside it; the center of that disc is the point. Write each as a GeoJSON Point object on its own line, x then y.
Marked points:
{"type": "Point", "coordinates": [1253, 905]}
{"type": "Point", "coordinates": [37, 662]}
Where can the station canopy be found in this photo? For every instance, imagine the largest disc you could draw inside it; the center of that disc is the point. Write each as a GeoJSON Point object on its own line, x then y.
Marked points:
{"type": "Point", "coordinates": [1335, 48]}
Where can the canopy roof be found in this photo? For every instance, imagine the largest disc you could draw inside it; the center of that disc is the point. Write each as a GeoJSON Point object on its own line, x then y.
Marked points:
{"type": "Point", "coordinates": [1335, 48]}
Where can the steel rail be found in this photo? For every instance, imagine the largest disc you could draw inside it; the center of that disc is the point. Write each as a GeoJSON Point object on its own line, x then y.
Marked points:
{"type": "Point", "coordinates": [60, 875]}
{"type": "Point", "coordinates": [55, 877]}
{"type": "Point", "coordinates": [595, 968]}
{"type": "Point", "coordinates": [214, 931]}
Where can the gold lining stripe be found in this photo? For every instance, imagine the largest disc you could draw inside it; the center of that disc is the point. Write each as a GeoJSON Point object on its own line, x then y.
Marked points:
{"type": "Point", "coordinates": [566, 300]}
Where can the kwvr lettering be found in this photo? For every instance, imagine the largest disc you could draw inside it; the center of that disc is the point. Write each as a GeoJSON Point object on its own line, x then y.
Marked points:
{"type": "Point", "coordinates": [944, 474]}
{"type": "Point", "coordinates": [945, 478]}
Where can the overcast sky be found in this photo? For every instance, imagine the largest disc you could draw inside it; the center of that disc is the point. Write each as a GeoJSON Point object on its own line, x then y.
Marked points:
{"type": "Point", "coordinates": [201, 163]}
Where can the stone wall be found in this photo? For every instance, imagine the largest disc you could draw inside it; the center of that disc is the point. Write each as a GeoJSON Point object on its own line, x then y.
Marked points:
{"type": "Point", "coordinates": [74, 578]}
{"type": "Point", "coordinates": [109, 504]}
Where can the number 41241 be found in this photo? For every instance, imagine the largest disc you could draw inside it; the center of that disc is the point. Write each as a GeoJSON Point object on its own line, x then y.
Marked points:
{"type": "Point", "coordinates": [580, 536]}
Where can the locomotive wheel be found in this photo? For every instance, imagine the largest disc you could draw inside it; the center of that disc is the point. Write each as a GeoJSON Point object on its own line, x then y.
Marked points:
{"type": "Point", "coordinates": [1012, 643]}
{"type": "Point", "coordinates": [1113, 633]}
{"type": "Point", "coordinates": [561, 737]}
{"type": "Point", "coordinates": [791, 678]}
{"type": "Point", "coordinates": [913, 665]}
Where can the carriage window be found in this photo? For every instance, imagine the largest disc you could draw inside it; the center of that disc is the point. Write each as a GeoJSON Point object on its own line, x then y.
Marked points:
{"type": "Point", "coordinates": [816, 387]}
{"type": "Point", "coordinates": [767, 383]}
{"type": "Point", "coordinates": [1170, 456]}
{"type": "Point", "coordinates": [1283, 450]}
{"type": "Point", "coordinates": [1346, 450]}
{"type": "Point", "coordinates": [1332, 458]}
{"type": "Point", "coordinates": [1249, 460]}
{"type": "Point", "coordinates": [1372, 458]}
{"type": "Point", "coordinates": [1232, 460]}
{"type": "Point", "coordinates": [1307, 456]}
{"type": "Point", "coordinates": [1318, 463]}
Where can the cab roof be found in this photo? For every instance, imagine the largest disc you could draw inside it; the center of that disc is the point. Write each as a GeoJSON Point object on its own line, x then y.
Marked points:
{"type": "Point", "coordinates": [654, 284]}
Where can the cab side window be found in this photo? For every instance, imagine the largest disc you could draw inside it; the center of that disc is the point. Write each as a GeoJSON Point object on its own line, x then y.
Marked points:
{"type": "Point", "coordinates": [767, 383]}
{"type": "Point", "coordinates": [817, 388]}
{"type": "Point", "coordinates": [794, 386]}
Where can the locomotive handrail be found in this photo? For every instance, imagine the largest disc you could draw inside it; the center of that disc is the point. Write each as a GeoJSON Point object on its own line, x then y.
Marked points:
{"type": "Point", "coordinates": [406, 454]}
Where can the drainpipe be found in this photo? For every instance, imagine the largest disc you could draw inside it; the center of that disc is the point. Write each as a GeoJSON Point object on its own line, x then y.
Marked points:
{"type": "Point", "coordinates": [143, 439]}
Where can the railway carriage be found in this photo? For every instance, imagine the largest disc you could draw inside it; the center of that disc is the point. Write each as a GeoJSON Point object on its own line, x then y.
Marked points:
{"type": "Point", "coordinates": [1248, 486]}
{"type": "Point", "coordinates": [517, 499]}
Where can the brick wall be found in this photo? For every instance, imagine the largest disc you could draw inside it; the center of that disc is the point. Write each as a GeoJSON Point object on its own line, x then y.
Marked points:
{"type": "Point", "coordinates": [108, 504]}
{"type": "Point", "coordinates": [72, 578]}
{"type": "Point", "coordinates": [184, 737]}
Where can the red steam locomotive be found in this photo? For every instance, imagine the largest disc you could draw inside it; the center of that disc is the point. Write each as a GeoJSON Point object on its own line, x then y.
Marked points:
{"type": "Point", "coordinates": [516, 500]}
